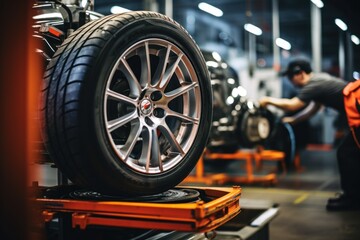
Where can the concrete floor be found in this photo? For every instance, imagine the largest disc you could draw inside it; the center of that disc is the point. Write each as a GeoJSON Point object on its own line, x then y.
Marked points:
{"type": "Point", "coordinates": [302, 197]}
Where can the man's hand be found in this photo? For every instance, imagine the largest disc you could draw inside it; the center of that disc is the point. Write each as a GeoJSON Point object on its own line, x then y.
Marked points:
{"type": "Point", "coordinates": [264, 101]}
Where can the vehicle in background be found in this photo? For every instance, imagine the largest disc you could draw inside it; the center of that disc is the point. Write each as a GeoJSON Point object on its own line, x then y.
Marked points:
{"type": "Point", "coordinates": [237, 121]}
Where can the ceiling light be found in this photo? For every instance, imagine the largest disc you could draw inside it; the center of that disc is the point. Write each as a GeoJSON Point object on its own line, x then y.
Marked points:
{"type": "Point", "coordinates": [318, 3]}
{"type": "Point", "coordinates": [283, 43]}
{"type": "Point", "coordinates": [117, 9]}
{"type": "Point", "coordinates": [341, 24]}
{"type": "Point", "coordinates": [355, 39]}
{"type": "Point", "coordinates": [253, 29]}
{"type": "Point", "coordinates": [210, 9]}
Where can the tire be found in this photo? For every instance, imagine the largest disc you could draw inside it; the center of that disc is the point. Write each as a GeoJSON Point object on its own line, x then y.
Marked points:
{"type": "Point", "coordinates": [127, 104]}
{"type": "Point", "coordinates": [284, 140]}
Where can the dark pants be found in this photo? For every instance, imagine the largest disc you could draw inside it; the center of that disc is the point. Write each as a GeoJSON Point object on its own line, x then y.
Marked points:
{"type": "Point", "coordinates": [348, 155]}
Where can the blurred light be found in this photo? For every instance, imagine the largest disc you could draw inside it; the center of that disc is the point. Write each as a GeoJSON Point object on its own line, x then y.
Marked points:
{"type": "Point", "coordinates": [341, 24]}
{"type": "Point", "coordinates": [356, 75]}
{"type": "Point", "coordinates": [283, 44]}
{"type": "Point", "coordinates": [318, 3]}
{"type": "Point", "coordinates": [210, 9]}
{"type": "Point", "coordinates": [242, 91]}
{"type": "Point", "coordinates": [216, 56]}
{"type": "Point", "coordinates": [235, 92]}
{"type": "Point", "coordinates": [252, 29]}
{"type": "Point", "coordinates": [250, 105]}
{"type": "Point", "coordinates": [355, 39]}
{"type": "Point", "coordinates": [117, 9]}
{"type": "Point", "coordinates": [224, 65]}
{"type": "Point", "coordinates": [231, 81]}
{"type": "Point", "coordinates": [224, 120]}
{"type": "Point", "coordinates": [229, 100]}
{"type": "Point", "coordinates": [212, 64]}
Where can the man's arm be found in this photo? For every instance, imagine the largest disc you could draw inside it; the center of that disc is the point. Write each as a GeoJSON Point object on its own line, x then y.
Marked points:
{"type": "Point", "coordinates": [304, 114]}
{"type": "Point", "coordinates": [285, 104]}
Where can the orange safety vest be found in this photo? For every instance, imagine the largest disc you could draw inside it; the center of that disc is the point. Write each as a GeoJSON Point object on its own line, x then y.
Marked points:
{"type": "Point", "coordinates": [352, 107]}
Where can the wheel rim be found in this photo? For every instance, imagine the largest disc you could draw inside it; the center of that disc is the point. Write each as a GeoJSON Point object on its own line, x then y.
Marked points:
{"type": "Point", "coordinates": [264, 128]}
{"type": "Point", "coordinates": [257, 128]}
{"type": "Point", "coordinates": [152, 106]}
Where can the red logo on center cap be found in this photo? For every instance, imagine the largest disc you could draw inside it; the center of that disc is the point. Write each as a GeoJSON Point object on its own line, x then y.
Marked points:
{"type": "Point", "coordinates": [146, 105]}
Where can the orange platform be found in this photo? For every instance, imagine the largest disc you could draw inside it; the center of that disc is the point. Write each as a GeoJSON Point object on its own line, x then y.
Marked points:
{"type": "Point", "coordinates": [249, 156]}
{"type": "Point", "coordinates": [220, 206]}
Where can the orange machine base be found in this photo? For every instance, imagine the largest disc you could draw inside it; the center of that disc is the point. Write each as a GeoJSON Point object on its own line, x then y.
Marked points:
{"type": "Point", "coordinates": [217, 206]}
{"type": "Point", "coordinates": [220, 178]}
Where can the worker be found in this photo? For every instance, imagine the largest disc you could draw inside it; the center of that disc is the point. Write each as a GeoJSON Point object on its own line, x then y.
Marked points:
{"type": "Point", "coordinates": [327, 90]}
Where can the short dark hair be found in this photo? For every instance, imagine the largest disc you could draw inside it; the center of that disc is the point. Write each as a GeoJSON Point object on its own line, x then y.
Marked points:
{"type": "Point", "coordinates": [296, 66]}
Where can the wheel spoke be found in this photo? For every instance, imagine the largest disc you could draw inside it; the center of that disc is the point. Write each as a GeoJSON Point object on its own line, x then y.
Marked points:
{"type": "Point", "coordinates": [155, 159]}
{"type": "Point", "coordinates": [119, 97]}
{"type": "Point", "coordinates": [169, 73]}
{"type": "Point", "coordinates": [151, 155]}
{"type": "Point", "coordinates": [135, 132]}
{"type": "Point", "coordinates": [132, 80]}
{"type": "Point", "coordinates": [116, 123]}
{"type": "Point", "coordinates": [145, 66]}
{"type": "Point", "coordinates": [183, 117]}
{"type": "Point", "coordinates": [144, 159]}
{"type": "Point", "coordinates": [160, 71]}
{"type": "Point", "coordinates": [186, 87]}
{"type": "Point", "coordinates": [171, 138]}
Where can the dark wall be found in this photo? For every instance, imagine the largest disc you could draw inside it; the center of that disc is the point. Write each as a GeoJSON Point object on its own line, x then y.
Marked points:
{"type": "Point", "coordinates": [17, 74]}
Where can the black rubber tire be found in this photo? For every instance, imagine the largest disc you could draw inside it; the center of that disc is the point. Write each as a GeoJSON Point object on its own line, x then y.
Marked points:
{"type": "Point", "coordinates": [73, 124]}
{"type": "Point", "coordinates": [283, 139]}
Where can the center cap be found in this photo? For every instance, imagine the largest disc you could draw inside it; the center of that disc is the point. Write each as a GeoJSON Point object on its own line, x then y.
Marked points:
{"type": "Point", "coordinates": [145, 107]}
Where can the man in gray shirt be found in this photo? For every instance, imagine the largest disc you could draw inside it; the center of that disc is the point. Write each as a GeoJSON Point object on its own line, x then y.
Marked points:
{"type": "Point", "coordinates": [325, 89]}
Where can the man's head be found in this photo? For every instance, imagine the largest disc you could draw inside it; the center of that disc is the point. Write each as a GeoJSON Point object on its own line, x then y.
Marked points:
{"type": "Point", "coordinates": [298, 71]}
